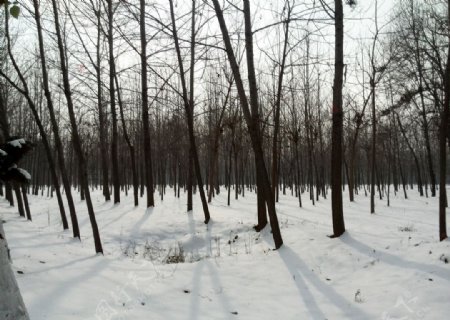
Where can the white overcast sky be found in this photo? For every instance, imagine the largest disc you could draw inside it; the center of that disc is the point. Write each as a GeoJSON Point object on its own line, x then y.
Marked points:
{"type": "Point", "coordinates": [358, 24]}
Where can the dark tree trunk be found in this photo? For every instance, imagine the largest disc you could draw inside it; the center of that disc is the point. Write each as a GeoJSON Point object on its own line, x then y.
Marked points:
{"type": "Point", "coordinates": [297, 165]}
{"type": "Point", "coordinates": [413, 153]}
{"type": "Point", "coordinates": [101, 113]}
{"type": "Point", "coordinates": [112, 101]}
{"type": "Point", "coordinates": [189, 109]}
{"type": "Point", "coordinates": [425, 123]}
{"type": "Point", "coordinates": [25, 92]}
{"type": "Point", "coordinates": [229, 177]}
{"type": "Point", "coordinates": [145, 116]}
{"type": "Point", "coordinates": [189, 182]}
{"type": "Point", "coordinates": [75, 135]}
{"type": "Point", "coordinates": [213, 174]}
{"type": "Point", "coordinates": [19, 200]}
{"type": "Point", "coordinates": [25, 202]}
{"type": "Point", "coordinates": [336, 138]}
{"type": "Point", "coordinates": [276, 121]}
{"type": "Point", "coordinates": [130, 147]}
{"type": "Point", "coordinates": [55, 128]}
{"type": "Point", "coordinates": [373, 147]}
{"type": "Point", "coordinates": [251, 118]}
{"type": "Point", "coordinates": [443, 146]}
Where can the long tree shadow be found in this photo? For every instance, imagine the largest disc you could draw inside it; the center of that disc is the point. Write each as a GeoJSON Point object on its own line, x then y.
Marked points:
{"type": "Point", "coordinates": [39, 245]}
{"type": "Point", "coordinates": [117, 219]}
{"type": "Point", "coordinates": [61, 266]}
{"type": "Point", "coordinates": [99, 212]}
{"type": "Point", "coordinates": [395, 260]}
{"type": "Point", "coordinates": [196, 289]}
{"type": "Point", "coordinates": [70, 283]}
{"type": "Point", "coordinates": [191, 223]}
{"type": "Point", "coordinates": [301, 272]}
{"type": "Point", "coordinates": [138, 225]}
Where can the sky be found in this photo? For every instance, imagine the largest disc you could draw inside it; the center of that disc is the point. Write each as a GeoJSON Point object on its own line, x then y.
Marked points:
{"type": "Point", "coordinates": [358, 26]}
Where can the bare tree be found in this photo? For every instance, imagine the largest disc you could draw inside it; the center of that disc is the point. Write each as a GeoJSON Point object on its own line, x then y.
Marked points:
{"type": "Point", "coordinates": [145, 117]}
{"type": "Point", "coordinates": [25, 92]}
{"type": "Point", "coordinates": [443, 202]}
{"type": "Point", "coordinates": [336, 137]}
{"type": "Point", "coordinates": [129, 144]}
{"type": "Point", "coordinates": [75, 136]}
{"type": "Point", "coordinates": [54, 123]}
{"type": "Point", "coordinates": [251, 118]}
{"type": "Point", "coordinates": [112, 101]}
{"type": "Point", "coordinates": [189, 109]}
{"type": "Point", "coordinates": [276, 127]}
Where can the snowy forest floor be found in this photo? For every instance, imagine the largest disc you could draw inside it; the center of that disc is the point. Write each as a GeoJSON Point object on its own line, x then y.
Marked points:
{"type": "Point", "coordinates": [389, 265]}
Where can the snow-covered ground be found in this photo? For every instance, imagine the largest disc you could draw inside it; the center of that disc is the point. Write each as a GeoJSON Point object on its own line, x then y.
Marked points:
{"type": "Point", "coordinates": [389, 265]}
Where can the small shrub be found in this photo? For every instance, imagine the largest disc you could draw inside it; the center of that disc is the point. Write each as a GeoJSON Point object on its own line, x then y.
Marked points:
{"type": "Point", "coordinates": [358, 296]}
{"type": "Point", "coordinates": [408, 228]}
{"type": "Point", "coordinates": [152, 251]}
{"type": "Point", "coordinates": [175, 255]}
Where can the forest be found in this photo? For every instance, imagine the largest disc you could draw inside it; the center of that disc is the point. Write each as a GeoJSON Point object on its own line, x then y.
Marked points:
{"type": "Point", "coordinates": [201, 147]}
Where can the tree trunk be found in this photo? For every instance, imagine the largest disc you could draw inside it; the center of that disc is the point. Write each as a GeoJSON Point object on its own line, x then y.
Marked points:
{"type": "Point", "coordinates": [75, 135]}
{"type": "Point", "coordinates": [189, 110]}
{"type": "Point", "coordinates": [423, 110]}
{"type": "Point", "coordinates": [12, 306]}
{"type": "Point", "coordinates": [114, 140]}
{"type": "Point", "coordinates": [25, 202]}
{"type": "Point", "coordinates": [20, 206]}
{"type": "Point", "coordinates": [130, 147]}
{"type": "Point", "coordinates": [443, 146]}
{"type": "Point", "coordinates": [252, 119]}
{"type": "Point", "coordinates": [416, 159]}
{"type": "Point", "coordinates": [101, 113]}
{"type": "Point", "coordinates": [276, 121]}
{"type": "Point", "coordinates": [373, 147]}
{"type": "Point", "coordinates": [145, 116]}
{"type": "Point", "coordinates": [54, 123]}
{"type": "Point", "coordinates": [25, 92]}
{"type": "Point", "coordinates": [336, 138]}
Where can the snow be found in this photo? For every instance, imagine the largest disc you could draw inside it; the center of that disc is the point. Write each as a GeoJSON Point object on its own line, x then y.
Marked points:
{"type": "Point", "coordinates": [25, 173]}
{"type": "Point", "coordinates": [388, 265]}
{"type": "Point", "coordinates": [3, 153]}
{"type": "Point", "coordinates": [17, 143]}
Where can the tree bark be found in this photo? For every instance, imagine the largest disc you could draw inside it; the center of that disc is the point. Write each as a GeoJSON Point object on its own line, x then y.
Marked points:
{"type": "Point", "coordinates": [25, 202]}
{"type": "Point", "coordinates": [425, 123]}
{"type": "Point", "coordinates": [26, 93]}
{"type": "Point", "coordinates": [12, 306]}
{"type": "Point", "coordinates": [251, 118]}
{"type": "Point", "coordinates": [189, 109]}
{"type": "Point", "coordinates": [101, 113]}
{"type": "Point", "coordinates": [337, 118]}
{"type": "Point", "coordinates": [145, 116]}
{"type": "Point", "coordinates": [373, 145]}
{"type": "Point", "coordinates": [20, 206]}
{"type": "Point", "coordinates": [54, 123]}
{"type": "Point", "coordinates": [114, 140]}
{"type": "Point", "coordinates": [443, 146]}
{"type": "Point", "coordinates": [75, 135]}
{"type": "Point", "coordinates": [130, 146]}
{"type": "Point", "coordinates": [276, 127]}
{"type": "Point", "coordinates": [416, 159]}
